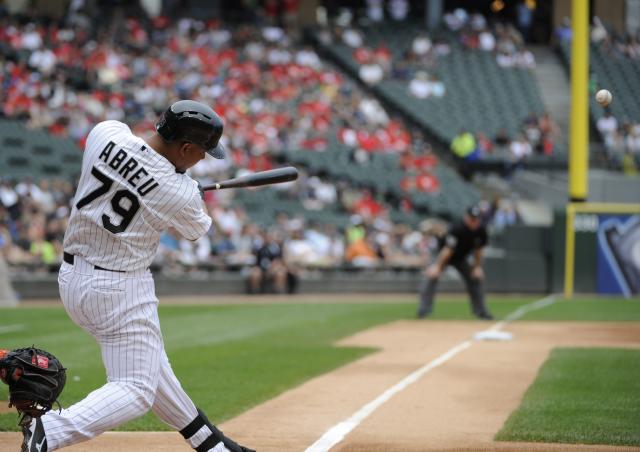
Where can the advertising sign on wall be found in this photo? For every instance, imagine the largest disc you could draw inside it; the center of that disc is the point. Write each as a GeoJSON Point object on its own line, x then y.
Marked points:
{"type": "Point", "coordinates": [618, 259]}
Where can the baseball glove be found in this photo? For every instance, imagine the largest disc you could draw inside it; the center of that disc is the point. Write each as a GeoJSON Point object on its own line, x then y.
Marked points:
{"type": "Point", "coordinates": [35, 378]}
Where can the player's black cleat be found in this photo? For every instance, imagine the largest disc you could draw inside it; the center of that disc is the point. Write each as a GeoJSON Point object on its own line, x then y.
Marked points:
{"type": "Point", "coordinates": [485, 316]}
{"type": "Point", "coordinates": [214, 442]}
{"type": "Point", "coordinates": [34, 437]}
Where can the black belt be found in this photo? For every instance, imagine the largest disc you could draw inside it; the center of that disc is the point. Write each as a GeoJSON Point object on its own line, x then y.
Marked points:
{"type": "Point", "coordinates": [69, 258]}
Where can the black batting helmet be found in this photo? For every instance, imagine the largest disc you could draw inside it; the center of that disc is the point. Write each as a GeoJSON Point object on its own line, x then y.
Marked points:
{"type": "Point", "coordinates": [195, 122]}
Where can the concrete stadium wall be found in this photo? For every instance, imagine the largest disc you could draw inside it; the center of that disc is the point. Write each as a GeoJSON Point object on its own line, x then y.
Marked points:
{"type": "Point", "coordinates": [521, 273]}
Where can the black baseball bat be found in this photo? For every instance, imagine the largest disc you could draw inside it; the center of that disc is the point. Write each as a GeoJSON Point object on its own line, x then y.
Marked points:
{"type": "Point", "coordinates": [274, 176]}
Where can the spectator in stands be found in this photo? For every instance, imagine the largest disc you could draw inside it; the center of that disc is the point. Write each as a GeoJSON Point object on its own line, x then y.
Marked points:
{"type": "Point", "coordinates": [502, 138]}
{"type": "Point", "coordinates": [486, 41]}
{"type": "Point", "coordinates": [326, 242]}
{"type": "Point", "coordinates": [505, 214]}
{"type": "Point", "coordinates": [598, 31]}
{"type": "Point", "coordinates": [362, 253]}
{"type": "Point", "coordinates": [484, 145]}
{"type": "Point", "coordinates": [300, 252]}
{"type": "Point", "coordinates": [401, 68]}
{"type": "Point", "coordinates": [352, 37]}
{"type": "Point", "coordinates": [614, 147]}
{"type": "Point", "coordinates": [421, 181]}
{"type": "Point", "coordinates": [421, 46]}
{"type": "Point", "coordinates": [461, 248]}
{"type": "Point", "coordinates": [355, 229]}
{"type": "Point", "coordinates": [9, 199]}
{"type": "Point", "coordinates": [520, 149]}
{"type": "Point", "coordinates": [42, 249]}
{"type": "Point", "coordinates": [420, 86]}
{"type": "Point", "coordinates": [477, 22]}
{"type": "Point", "coordinates": [441, 47]}
{"type": "Point", "coordinates": [375, 10]}
{"type": "Point", "coordinates": [456, 19]}
{"type": "Point", "coordinates": [269, 274]}
{"type": "Point", "coordinates": [505, 59]}
{"type": "Point", "coordinates": [222, 246]}
{"type": "Point", "coordinates": [524, 59]}
{"type": "Point", "coordinates": [531, 130]}
{"type": "Point", "coordinates": [524, 18]}
{"type": "Point", "coordinates": [607, 124]}
{"type": "Point", "coordinates": [371, 72]}
{"type": "Point", "coordinates": [464, 146]}
{"type": "Point", "coordinates": [308, 57]}
{"type": "Point", "coordinates": [367, 207]}
{"type": "Point", "coordinates": [425, 85]}
{"type": "Point", "coordinates": [398, 9]}
{"type": "Point", "coordinates": [320, 194]}
{"type": "Point", "coordinates": [548, 126]}
{"type": "Point", "coordinates": [563, 32]}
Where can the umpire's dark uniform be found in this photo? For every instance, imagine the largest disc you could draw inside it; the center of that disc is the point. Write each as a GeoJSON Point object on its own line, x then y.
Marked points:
{"type": "Point", "coordinates": [463, 239]}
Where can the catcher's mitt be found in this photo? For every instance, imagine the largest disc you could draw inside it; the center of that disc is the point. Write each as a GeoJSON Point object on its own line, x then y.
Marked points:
{"type": "Point", "coordinates": [35, 378]}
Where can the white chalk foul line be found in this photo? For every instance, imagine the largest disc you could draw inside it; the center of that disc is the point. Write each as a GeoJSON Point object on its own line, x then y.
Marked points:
{"type": "Point", "coordinates": [11, 328]}
{"type": "Point", "coordinates": [338, 432]}
{"type": "Point", "coordinates": [522, 310]}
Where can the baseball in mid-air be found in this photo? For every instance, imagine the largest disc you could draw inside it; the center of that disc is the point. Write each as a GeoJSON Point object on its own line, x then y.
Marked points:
{"type": "Point", "coordinates": [603, 97]}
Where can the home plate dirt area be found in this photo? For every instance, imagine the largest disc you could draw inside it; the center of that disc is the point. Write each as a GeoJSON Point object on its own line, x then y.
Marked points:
{"type": "Point", "coordinates": [457, 405]}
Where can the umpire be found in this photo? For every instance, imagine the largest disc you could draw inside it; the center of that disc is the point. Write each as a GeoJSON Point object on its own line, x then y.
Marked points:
{"type": "Point", "coordinates": [462, 240]}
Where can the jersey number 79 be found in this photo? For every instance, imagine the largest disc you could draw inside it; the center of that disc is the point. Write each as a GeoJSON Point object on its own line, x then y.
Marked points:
{"type": "Point", "coordinates": [126, 210]}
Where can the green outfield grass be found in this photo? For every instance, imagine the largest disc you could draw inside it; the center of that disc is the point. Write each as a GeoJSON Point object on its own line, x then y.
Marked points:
{"type": "Point", "coordinates": [585, 396]}
{"type": "Point", "coordinates": [254, 352]}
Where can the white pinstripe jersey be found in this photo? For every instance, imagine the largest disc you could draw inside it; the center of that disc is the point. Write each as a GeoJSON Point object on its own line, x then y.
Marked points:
{"type": "Point", "coordinates": [127, 195]}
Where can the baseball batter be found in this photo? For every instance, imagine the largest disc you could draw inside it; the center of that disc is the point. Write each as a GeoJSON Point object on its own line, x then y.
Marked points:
{"type": "Point", "coordinates": [129, 192]}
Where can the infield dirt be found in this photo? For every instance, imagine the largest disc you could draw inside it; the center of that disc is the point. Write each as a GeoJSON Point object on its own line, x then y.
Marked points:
{"type": "Point", "coordinates": [459, 405]}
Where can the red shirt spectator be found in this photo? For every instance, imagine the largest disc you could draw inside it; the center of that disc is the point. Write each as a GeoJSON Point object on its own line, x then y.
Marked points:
{"type": "Point", "coordinates": [362, 55]}
{"type": "Point", "coordinates": [367, 206]}
{"type": "Point", "coordinates": [427, 182]}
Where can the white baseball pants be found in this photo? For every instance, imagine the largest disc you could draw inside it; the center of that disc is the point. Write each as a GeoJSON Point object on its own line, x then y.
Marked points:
{"type": "Point", "coordinates": [120, 311]}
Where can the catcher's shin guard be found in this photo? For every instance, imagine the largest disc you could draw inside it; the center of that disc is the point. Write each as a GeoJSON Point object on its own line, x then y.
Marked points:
{"type": "Point", "coordinates": [213, 439]}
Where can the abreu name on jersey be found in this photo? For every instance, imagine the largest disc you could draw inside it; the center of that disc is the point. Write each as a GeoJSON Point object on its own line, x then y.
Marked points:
{"type": "Point", "coordinates": [124, 166]}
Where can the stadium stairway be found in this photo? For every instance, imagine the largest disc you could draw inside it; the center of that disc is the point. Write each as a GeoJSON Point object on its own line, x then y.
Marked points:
{"type": "Point", "coordinates": [553, 85]}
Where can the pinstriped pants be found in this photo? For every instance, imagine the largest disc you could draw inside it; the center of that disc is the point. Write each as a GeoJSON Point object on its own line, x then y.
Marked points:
{"type": "Point", "coordinates": [120, 311]}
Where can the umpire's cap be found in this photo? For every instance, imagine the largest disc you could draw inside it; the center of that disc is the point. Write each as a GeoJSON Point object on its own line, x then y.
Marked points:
{"type": "Point", "coordinates": [474, 211]}
{"type": "Point", "coordinates": [195, 122]}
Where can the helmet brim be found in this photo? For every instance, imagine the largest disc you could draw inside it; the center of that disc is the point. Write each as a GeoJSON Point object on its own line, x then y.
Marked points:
{"type": "Point", "coordinates": [218, 152]}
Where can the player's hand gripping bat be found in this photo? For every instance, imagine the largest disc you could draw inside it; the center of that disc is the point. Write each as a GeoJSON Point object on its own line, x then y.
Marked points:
{"type": "Point", "coordinates": [274, 176]}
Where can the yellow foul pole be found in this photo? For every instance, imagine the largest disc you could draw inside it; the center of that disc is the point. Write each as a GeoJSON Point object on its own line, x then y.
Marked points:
{"type": "Point", "coordinates": [579, 130]}
{"type": "Point", "coordinates": [579, 121]}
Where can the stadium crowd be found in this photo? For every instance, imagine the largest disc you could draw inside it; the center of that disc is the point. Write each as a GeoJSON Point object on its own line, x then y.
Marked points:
{"type": "Point", "coordinates": [33, 219]}
{"type": "Point", "coordinates": [621, 136]}
{"type": "Point", "coordinates": [536, 137]}
{"type": "Point", "coordinates": [274, 94]}
{"type": "Point", "coordinates": [621, 143]}
{"type": "Point", "coordinates": [419, 62]}
{"type": "Point", "coordinates": [417, 65]}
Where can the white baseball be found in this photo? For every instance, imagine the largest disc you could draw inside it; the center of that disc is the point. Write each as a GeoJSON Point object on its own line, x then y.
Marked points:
{"type": "Point", "coordinates": [603, 97]}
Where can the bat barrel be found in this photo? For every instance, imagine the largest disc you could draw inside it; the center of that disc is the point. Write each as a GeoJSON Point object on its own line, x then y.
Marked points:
{"type": "Point", "coordinates": [274, 176]}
